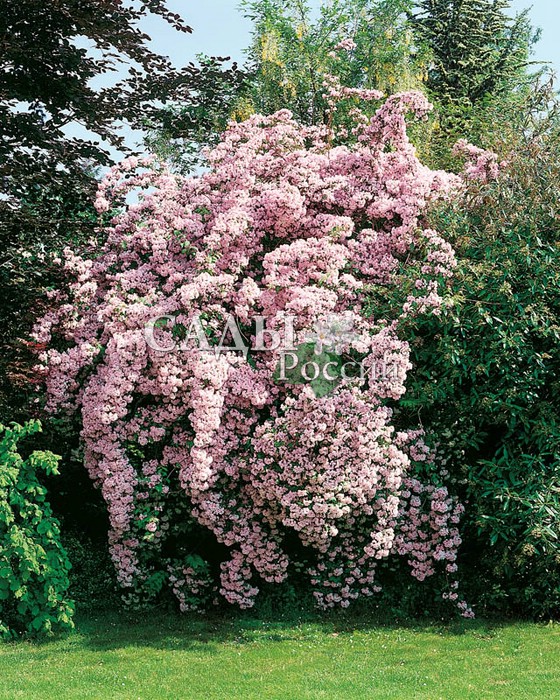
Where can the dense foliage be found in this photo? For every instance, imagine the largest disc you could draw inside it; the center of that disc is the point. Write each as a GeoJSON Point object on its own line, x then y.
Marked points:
{"type": "Point", "coordinates": [292, 50]}
{"type": "Point", "coordinates": [33, 564]}
{"type": "Point", "coordinates": [487, 371]}
{"type": "Point", "coordinates": [183, 439]}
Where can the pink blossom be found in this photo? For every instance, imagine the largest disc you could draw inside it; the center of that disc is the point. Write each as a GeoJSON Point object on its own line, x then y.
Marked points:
{"type": "Point", "coordinates": [281, 224]}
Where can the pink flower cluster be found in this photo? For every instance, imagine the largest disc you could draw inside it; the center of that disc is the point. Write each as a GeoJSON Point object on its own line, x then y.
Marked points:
{"type": "Point", "coordinates": [281, 224]}
{"type": "Point", "coordinates": [191, 583]}
{"type": "Point", "coordinates": [481, 164]}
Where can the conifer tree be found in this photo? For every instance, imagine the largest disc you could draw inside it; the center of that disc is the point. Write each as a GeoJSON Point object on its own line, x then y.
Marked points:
{"type": "Point", "coordinates": [478, 49]}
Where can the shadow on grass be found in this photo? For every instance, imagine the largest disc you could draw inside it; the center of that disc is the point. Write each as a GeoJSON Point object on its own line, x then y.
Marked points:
{"type": "Point", "coordinates": [106, 630]}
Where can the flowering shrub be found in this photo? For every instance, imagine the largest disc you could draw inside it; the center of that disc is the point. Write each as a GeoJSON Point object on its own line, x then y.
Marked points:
{"type": "Point", "coordinates": [283, 225]}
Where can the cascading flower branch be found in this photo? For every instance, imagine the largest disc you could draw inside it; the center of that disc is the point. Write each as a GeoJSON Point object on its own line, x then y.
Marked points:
{"type": "Point", "coordinates": [182, 439]}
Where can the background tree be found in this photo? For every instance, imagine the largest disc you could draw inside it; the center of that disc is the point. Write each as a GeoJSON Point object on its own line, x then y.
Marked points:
{"type": "Point", "coordinates": [51, 53]}
{"type": "Point", "coordinates": [468, 56]}
{"type": "Point", "coordinates": [479, 56]}
{"type": "Point", "coordinates": [477, 48]}
{"type": "Point", "coordinates": [291, 53]}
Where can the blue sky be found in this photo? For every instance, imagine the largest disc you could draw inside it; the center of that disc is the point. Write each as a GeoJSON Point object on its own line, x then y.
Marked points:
{"type": "Point", "coordinates": [544, 14]}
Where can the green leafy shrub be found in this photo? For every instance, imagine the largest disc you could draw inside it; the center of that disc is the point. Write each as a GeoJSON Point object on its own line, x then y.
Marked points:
{"type": "Point", "coordinates": [486, 376]}
{"type": "Point", "coordinates": [33, 564]}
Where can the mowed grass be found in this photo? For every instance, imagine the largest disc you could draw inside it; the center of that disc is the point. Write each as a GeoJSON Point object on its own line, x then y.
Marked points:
{"type": "Point", "coordinates": [172, 658]}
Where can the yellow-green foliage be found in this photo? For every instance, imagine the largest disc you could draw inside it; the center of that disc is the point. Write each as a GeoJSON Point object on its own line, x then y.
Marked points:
{"type": "Point", "coordinates": [292, 51]}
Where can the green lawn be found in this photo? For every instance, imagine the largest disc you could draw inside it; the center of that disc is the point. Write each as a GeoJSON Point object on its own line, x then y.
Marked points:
{"type": "Point", "coordinates": [163, 657]}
